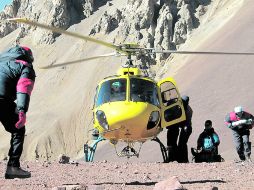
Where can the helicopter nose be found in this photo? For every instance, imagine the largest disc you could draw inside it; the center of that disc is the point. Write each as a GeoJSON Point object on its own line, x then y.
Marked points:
{"type": "Point", "coordinates": [130, 122]}
{"type": "Point", "coordinates": [130, 112]}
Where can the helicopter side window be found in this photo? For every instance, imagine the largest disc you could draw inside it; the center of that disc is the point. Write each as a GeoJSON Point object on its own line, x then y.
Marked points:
{"type": "Point", "coordinates": [112, 91]}
{"type": "Point", "coordinates": [143, 91]}
{"type": "Point", "coordinates": [169, 93]}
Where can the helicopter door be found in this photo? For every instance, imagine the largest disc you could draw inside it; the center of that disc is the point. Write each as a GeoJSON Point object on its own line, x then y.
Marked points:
{"type": "Point", "coordinates": [172, 111]}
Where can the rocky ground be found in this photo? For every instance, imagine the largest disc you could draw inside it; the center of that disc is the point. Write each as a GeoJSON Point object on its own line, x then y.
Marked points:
{"type": "Point", "coordinates": [127, 175]}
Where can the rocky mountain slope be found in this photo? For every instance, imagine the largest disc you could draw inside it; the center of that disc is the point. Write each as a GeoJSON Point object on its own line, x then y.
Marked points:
{"type": "Point", "coordinates": [60, 111]}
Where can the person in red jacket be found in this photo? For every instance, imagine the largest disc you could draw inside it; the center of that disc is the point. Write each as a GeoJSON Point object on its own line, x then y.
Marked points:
{"type": "Point", "coordinates": [17, 78]}
{"type": "Point", "coordinates": [240, 122]}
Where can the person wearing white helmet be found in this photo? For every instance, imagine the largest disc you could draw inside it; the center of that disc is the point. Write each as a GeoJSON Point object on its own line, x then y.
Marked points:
{"type": "Point", "coordinates": [240, 122]}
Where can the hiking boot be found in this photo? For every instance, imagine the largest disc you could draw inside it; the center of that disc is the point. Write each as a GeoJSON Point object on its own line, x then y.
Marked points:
{"type": "Point", "coordinates": [194, 151]}
{"type": "Point", "coordinates": [16, 172]}
{"type": "Point", "coordinates": [242, 157]}
{"type": "Point", "coordinates": [248, 159]}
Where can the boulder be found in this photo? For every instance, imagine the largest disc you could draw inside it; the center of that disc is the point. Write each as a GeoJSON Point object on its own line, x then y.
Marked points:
{"type": "Point", "coordinates": [172, 183]}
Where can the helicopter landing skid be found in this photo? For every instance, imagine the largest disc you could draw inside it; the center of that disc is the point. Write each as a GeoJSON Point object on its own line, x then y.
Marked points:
{"type": "Point", "coordinates": [90, 150]}
{"type": "Point", "coordinates": [128, 151]}
{"type": "Point", "coordinates": [163, 150]}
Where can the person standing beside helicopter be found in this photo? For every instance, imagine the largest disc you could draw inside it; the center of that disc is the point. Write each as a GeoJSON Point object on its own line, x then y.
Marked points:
{"type": "Point", "coordinates": [17, 78]}
{"type": "Point", "coordinates": [179, 152]}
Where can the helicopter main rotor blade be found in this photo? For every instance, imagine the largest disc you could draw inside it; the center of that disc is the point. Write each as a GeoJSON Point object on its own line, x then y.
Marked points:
{"type": "Point", "coordinates": [61, 31]}
{"type": "Point", "coordinates": [122, 48]}
{"type": "Point", "coordinates": [200, 52]}
{"type": "Point", "coordinates": [78, 61]}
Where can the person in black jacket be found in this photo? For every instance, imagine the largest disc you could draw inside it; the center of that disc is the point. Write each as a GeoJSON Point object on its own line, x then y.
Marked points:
{"type": "Point", "coordinates": [179, 152]}
{"type": "Point", "coordinates": [17, 78]}
{"type": "Point", "coordinates": [207, 145]}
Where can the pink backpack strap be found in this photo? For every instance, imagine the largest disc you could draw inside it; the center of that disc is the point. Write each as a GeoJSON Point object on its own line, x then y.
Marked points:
{"type": "Point", "coordinates": [22, 62]}
{"type": "Point", "coordinates": [233, 117]}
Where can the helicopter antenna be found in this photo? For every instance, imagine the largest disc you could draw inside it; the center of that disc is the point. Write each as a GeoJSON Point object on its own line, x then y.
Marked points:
{"type": "Point", "coordinates": [129, 60]}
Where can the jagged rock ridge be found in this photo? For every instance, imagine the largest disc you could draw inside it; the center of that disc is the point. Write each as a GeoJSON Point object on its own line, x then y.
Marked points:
{"type": "Point", "coordinates": [165, 23]}
{"type": "Point", "coordinates": [58, 13]}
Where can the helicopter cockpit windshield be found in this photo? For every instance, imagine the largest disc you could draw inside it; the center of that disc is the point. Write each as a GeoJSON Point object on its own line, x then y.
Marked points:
{"type": "Point", "coordinates": [112, 91]}
{"type": "Point", "coordinates": [143, 91]}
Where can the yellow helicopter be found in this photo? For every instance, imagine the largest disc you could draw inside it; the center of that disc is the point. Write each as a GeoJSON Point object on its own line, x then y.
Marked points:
{"type": "Point", "coordinates": [130, 107]}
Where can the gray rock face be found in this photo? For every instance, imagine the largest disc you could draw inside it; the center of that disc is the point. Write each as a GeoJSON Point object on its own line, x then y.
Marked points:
{"type": "Point", "coordinates": [58, 13]}
{"type": "Point", "coordinates": [164, 30]}
{"type": "Point", "coordinates": [163, 24]}
{"type": "Point", "coordinates": [6, 28]}
{"type": "Point", "coordinates": [107, 23]}
{"type": "Point", "coordinates": [160, 24]}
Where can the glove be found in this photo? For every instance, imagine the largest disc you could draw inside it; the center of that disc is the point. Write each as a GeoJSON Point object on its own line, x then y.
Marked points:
{"type": "Point", "coordinates": [249, 122]}
{"type": "Point", "coordinates": [240, 122]}
{"type": "Point", "coordinates": [22, 120]}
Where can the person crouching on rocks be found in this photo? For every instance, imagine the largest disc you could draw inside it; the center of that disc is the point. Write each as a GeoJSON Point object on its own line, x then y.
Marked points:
{"type": "Point", "coordinates": [207, 145]}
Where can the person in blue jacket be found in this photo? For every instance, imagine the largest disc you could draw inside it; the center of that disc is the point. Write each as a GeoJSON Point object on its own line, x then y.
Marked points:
{"type": "Point", "coordinates": [17, 78]}
{"type": "Point", "coordinates": [207, 145]}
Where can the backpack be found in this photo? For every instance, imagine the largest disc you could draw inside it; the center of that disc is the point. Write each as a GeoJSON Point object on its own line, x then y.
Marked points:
{"type": "Point", "coordinates": [17, 54]}
{"type": "Point", "coordinates": [208, 143]}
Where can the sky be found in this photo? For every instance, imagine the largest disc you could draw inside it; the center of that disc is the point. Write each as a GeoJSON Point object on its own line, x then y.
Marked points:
{"type": "Point", "coordinates": [3, 3]}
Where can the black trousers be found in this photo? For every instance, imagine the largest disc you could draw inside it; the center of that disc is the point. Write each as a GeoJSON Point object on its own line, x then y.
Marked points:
{"type": "Point", "coordinates": [242, 143]}
{"type": "Point", "coordinates": [207, 156]}
{"type": "Point", "coordinates": [178, 151]}
{"type": "Point", "coordinates": [9, 117]}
